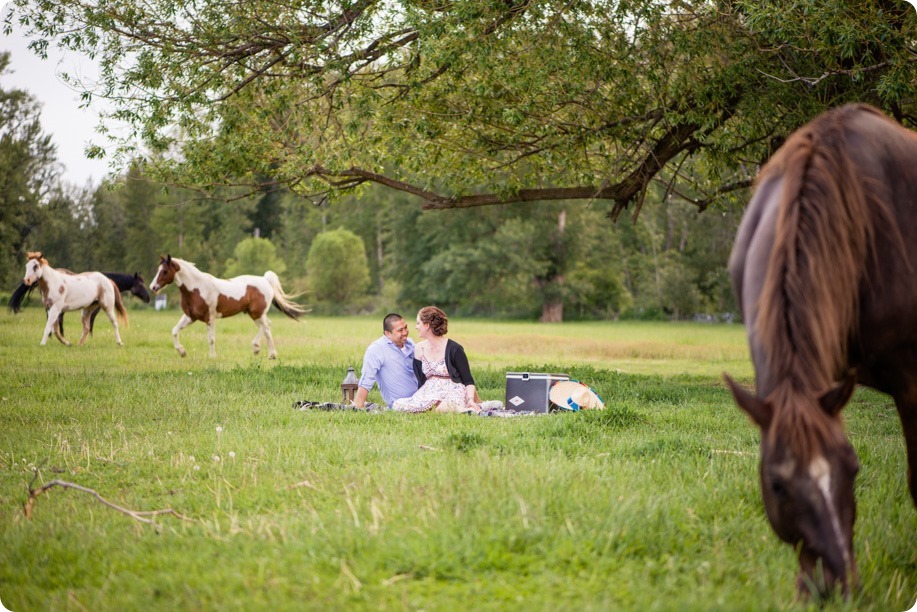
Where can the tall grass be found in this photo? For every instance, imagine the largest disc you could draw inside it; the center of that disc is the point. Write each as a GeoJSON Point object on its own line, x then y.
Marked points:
{"type": "Point", "coordinates": [650, 504]}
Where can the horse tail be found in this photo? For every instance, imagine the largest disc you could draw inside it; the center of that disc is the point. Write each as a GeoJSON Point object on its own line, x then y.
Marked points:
{"type": "Point", "coordinates": [119, 306]}
{"type": "Point", "coordinates": [824, 237]}
{"type": "Point", "coordinates": [283, 301]}
{"type": "Point", "coordinates": [21, 292]}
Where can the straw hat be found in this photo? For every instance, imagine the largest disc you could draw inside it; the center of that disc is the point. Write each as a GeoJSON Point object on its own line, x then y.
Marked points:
{"type": "Point", "coordinates": [574, 395]}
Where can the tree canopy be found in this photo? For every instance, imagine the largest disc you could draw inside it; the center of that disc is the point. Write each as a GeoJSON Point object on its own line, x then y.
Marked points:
{"type": "Point", "coordinates": [467, 103]}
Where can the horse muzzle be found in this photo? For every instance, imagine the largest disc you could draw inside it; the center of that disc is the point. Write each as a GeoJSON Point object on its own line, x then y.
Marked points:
{"type": "Point", "coordinates": [820, 576]}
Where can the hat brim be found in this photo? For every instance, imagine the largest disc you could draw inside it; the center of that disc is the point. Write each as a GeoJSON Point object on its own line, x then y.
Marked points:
{"type": "Point", "coordinates": [574, 395]}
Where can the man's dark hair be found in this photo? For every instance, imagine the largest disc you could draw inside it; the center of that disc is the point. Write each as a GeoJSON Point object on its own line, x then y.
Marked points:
{"type": "Point", "coordinates": [388, 323]}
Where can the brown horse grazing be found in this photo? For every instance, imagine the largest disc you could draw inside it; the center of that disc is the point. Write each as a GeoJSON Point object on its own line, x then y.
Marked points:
{"type": "Point", "coordinates": [207, 298]}
{"type": "Point", "coordinates": [825, 271]}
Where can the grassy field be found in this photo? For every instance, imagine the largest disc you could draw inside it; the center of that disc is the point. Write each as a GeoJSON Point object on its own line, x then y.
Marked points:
{"type": "Point", "coordinates": [650, 504]}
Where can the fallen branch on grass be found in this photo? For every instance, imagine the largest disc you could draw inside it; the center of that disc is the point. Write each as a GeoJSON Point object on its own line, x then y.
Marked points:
{"type": "Point", "coordinates": [134, 514]}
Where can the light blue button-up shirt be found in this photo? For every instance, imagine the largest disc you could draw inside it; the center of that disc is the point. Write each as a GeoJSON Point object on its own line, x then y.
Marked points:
{"type": "Point", "coordinates": [391, 367]}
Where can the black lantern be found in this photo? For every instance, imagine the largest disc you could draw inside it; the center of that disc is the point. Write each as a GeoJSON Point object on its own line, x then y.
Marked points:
{"type": "Point", "coordinates": [349, 386]}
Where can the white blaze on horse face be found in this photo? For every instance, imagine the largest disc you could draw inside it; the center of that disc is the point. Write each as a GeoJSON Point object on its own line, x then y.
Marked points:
{"type": "Point", "coordinates": [820, 472]}
{"type": "Point", "coordinates": [32, 272]}
{"type": "Point", "coordinates": [154, 286]}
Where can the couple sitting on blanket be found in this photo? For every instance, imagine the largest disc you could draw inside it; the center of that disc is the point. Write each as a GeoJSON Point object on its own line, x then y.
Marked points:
{"type": "Point", "coordinates": [433, 375]}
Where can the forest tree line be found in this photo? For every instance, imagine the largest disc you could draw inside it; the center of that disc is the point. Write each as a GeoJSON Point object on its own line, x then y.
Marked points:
{"type": "Point", "coordinates": [381, 252]}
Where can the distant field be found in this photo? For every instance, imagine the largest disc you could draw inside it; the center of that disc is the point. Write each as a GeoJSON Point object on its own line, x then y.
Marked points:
{"type": "Point", "coordinates": [650, 504]}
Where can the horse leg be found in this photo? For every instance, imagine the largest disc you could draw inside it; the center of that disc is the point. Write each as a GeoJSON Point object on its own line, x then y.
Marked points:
{"type": "Point", "coordinates": [212, 335]}
{"type": "Point", "coordinates": [59, 330]}
{"type": "Point", "coordinates": [51, 326]}
{"type": "Point", "coordinates": [907, 411]}
{"type": "Point", "coordinates": [92, 319]}
{"type": "Point", "coordinates": [265, 324]}
{"type": "Point", "coordinates": [112, 316]}
{"type": "Point", "coordinates": [87, 312]}
{"type": "Point", "coordinates": [184, 322]}
{"type": "Point", "coordinates": [256, 343]}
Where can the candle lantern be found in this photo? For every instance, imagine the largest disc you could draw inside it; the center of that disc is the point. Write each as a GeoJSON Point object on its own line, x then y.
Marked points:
{"type": "Point", "coordinates": [349, 386]}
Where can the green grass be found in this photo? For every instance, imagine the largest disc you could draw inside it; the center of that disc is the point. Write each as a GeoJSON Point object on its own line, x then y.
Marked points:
{"type": "Point", "coordinates": [650, 504]}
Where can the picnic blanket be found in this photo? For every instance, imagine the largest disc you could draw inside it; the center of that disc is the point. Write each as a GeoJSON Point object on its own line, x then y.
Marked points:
{"type": "Point", "coordinates": [371, 407]}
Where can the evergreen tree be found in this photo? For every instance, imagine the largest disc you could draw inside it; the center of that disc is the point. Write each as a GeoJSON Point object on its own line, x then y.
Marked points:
{"type": "Point", "coordinates": [28, 173]}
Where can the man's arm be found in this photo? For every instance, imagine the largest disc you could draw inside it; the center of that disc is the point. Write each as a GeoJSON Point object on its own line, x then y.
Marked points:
{"type": "Point", "coordinates": [371, 365]}
{"type": "Point", "coordinates": [359, 399]}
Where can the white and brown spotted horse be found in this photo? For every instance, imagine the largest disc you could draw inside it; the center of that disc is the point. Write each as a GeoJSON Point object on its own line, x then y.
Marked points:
{"type": "Point", "coordinates": [63, 292]}
{"type": "Point", "coordinates": [207, 298]}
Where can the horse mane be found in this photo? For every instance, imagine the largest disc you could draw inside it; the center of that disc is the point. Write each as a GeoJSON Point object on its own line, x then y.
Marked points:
{"type": "Point", "coordinates": [824, 238]}
{"type": "Point", "coordinates": [37, 255]}
{"type": "Point", "coordinates": [122, 281]}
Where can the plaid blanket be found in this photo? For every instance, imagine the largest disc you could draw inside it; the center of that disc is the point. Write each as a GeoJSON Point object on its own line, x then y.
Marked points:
{"type": "Point", "coordinates": [371, 407]}
{"type": "Point", "coordinates": [307, 405]}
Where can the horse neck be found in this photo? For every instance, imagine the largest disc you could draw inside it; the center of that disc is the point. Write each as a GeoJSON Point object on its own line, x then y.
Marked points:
{"type": "Point", "coordinates": [825, 235]}
{"type": "Point", "coordinates": [51, 275]}
{"type": "Point", "coordinates": [123, 281]}
{"type": "Point", "coordinates": [189, 276]}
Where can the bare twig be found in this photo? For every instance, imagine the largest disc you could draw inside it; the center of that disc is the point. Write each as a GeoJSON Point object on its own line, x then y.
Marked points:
{"type": "Point", "coordinates": [134, 514]}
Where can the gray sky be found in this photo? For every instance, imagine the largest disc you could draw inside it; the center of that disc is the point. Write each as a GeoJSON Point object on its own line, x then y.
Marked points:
{"type": "Point", "coordinates": [70, 127]}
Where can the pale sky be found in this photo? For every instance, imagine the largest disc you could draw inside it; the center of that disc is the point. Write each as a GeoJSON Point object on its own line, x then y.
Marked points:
{"type": "Point", "coordinates": [70, 127]}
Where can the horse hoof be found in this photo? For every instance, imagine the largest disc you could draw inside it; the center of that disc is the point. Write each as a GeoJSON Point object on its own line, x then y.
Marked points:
{"type": "Point", "coordinates": [273, 356]}
{"type": "Point", "coordinates": [182, 353]}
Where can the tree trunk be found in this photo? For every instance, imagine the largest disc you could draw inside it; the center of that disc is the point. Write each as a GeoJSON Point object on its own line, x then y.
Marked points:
{"type": "Point", "coordinates": [552, 312]}
{"type": "Point", "coordinates": [552, 308]}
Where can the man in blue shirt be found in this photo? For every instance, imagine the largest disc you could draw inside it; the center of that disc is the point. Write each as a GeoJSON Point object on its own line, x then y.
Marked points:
{"type": "Point", "coordinates": [389, 362]}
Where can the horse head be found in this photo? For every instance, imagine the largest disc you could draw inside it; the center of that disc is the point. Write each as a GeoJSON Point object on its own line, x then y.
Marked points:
{"type": "Point", "coordinates": [33, 268]}
{"type": "Point", "coordinates": [138, 288]}
{"type": "Point", "coordinates": [807, 472]}
{"type": "Point", "coordinates": [165, 274]}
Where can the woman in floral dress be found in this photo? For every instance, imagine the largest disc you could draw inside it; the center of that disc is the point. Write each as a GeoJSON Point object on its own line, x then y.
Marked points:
{"type": "Point", "coordinates": [442, 369]}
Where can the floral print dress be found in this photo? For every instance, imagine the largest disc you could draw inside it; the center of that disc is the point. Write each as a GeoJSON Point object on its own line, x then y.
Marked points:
{"type": "Point", "coordinates": [440, 392]}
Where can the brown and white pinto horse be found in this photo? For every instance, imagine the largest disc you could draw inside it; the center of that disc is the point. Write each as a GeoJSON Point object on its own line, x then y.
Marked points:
{"type": "Point", "coordinates": [63, 292]}
{"type": "Point", "coordinates": [207, 298]}
{"type": "Point", "coordinates": [825, 271]}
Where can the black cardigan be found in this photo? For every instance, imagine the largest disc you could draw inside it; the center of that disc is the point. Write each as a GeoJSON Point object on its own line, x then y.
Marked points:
{"type": "Point", "coordinates": [456, 365]}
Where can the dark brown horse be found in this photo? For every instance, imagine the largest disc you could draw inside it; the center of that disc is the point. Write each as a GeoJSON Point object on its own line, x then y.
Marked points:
{"type": "Point", "coordinates": [825, 271]}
